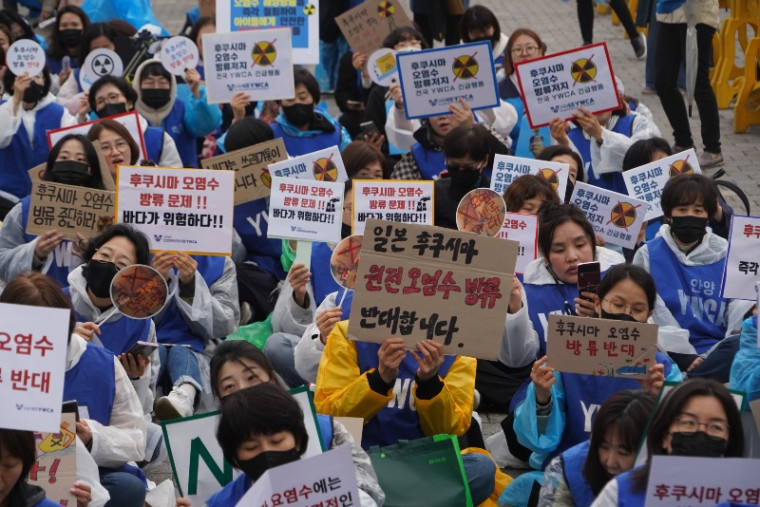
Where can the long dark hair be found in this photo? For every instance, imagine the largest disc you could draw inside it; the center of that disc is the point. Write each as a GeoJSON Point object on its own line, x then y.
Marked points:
{"type": "Point", "coordinates": [96, 179]}
{"type": "Point", "coordinates": [551, 216]}
{"type": "Point", "coordinates": [57, 49]}
{"type": "Point", "coordinates": [235, 350]}
{"type": "Point", "coordinates": [18, 444]}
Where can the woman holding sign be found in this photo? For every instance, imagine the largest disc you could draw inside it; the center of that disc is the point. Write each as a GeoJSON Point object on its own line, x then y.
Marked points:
{"type": "Point", "coordinates": [116, 143]}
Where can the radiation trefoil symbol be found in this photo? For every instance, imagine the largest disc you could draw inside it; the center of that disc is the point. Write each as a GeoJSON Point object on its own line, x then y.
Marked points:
{"type": "Point", "coordinates": [583, 70]}
{"type": "Point", "coordinates": [465, 67]}
{"type": "Point", "coordinates": [264, 53]}
{"type": "Point", "coordinates": [309, 9]}
{"type": "Point", "coordinates": [102, 65]}
{"type": "Point", "coordinates": [385, 9]}
{"type": "Point", "coordinates": [680, 167]}
{"type": "Point", "coordinates": [551, 176]}
{"type": "Point", "coordinates": [325, 170]}
{"type": "Point", "coordinates": [623, 215]}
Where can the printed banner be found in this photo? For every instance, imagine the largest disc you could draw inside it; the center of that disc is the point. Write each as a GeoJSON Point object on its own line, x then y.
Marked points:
{"type": "Point", "coordinates": [55, 470]}
{"type": "Point", "coordinates": [366, 25]}
{"type": "Point", "coordinates": [507, 168]}
{"type": "Point", "coordinates": [178, 209]}
{"type": "Point", "coordinates": [524, 230]}
{"type": "Point", "coordinates": [616, 217]}
{"type": "Point", "coordinates": [422, 282]}
{"type": "Point", "coordinates": [408, 202]}
{"type": "Point", "coordinates": [305, 210]}
{"type": "Point", "coordinates": [743, 260]}
{"type": "Point", "coordinates": [130, 120]}
{"type": "Point", "coordinates": [433, 79]}
{"type": "Point", "coordinates": [601, 347]}
{"type": "Point", "coordinates": [555, 86]}
{"type": "Point", "coordinates": [322, 165]}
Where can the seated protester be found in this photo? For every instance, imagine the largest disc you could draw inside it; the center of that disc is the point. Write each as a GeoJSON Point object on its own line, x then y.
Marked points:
{"type": "Point", "coordinates": [262, 427]}
{"type": "Point", "coordinates": [565, 155]}
{"type": "Point", "coordinates": [698, 418]}
{"type": "Point", "coordinates": [745, 370]}
{"type": "Point", "coordinates": [116, 144]}
{"type": "Point", "coordinates": [72, 161]}
{"type": "Point", "coordinates": [527, 193]}
{"type": "Point", "coordinates": [352, 90]}
{"type": "Point", "coordinates": [28, 111]}
{"type": "Point", "coordinates": [113, 95]}
{"type": "Point", "coordinates": [184, 120]}
{"type": "Point", "coordinates": [114, 431]}
{"type": "Point", "coordinates": [480, 24]}
{"type": "Point", "coordinates": [688, 260]}
{"type": "Point", "coordinates": [365, 161]}
{"type": "Point", "coordinates": [577, 475]}
{"type": "Point", "coordinates": [64, 41]}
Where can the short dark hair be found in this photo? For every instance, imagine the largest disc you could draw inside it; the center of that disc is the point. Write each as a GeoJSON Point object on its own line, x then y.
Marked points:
{"type": "Point", "coordinates": [35, 289]}
{"type": "Point", "coordinates": [202, 22]}
{"type": "Point", "coordinates": [302, 76]}
{"type": "Point", "coordinates": [235, 350]}
{"type": "Point", "coordinates": [636, 274]}
{"type": "Point", "coordinates": [551, 216]}
{"type": "Point", "coordinates": [479, 17]}
{"type": "Point", "coordinates": [357, 155]}
{"type": "Point", "coordinates": [405, 33]}
{"type": "Point", "coordinates": [264, 409]}
{"type": "Point", "coordinates": [96, 179]}
{"type": "Point", "coordinates": [137, 238]}
{"type": "Point", "coordinates": [247, 132]}
{"type": "Point", "coordinates": [57, 49]}
{"type": "Point", "coordinates": [641, 152]}
{"type": "Point", "coordinates": [471, 140]}
{"type": "Point", "coordinates": [509, 65]}
{"type": "Point", "coordinates": [155, 69]}
{"type": "Point", "coordinates": [21, 445]}
{"type": "Point", "coordinates": [94, 31]}
{"type": "Point", "coordinates": [9, 78]}
{"type": "Point", "coordinates": [118, 128]}
{"type": "Point", "coordinates": [557, 150]}
{"type": "Point", "coordinates": [119, 82]}
{"type": "Point", "coordinates": [689, 189]}
{"type": "Point", "coordinates": [527, 187]}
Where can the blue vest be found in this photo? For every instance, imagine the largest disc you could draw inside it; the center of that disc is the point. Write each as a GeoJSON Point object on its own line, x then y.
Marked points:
{"type": "Point", "coordinates": [91, 382]}
{"type": "Point", "coordinates": [611, 181]}
{"type": "Point", "coordinates": [251, 221]}
{"type": "Point", "coordinates": [691, 293]}
{"type": "Point", "coordinates": [185, 141]}
{"type": "Point", "coordinates": [509, 92]}
{"type": "Point", "coordinates": [346, 305]}
{"type": "Point", "coordinates": [430, 162]}
{"type": "Point", "coordinates": [296, 146]}
{"type": "Point", "coordinates": [172, 328]}
{"type": "Point", "coordinates": [62, 256]}
{"type": "Point", "coordinates": [546, 299]}
{"type": "Point", "coordinates": [626, 496]}
{"type": "Point", "coordinates": [325, 429]}
{"type": "Point", "coordinates": [522, 145]}
{"type": "Point", "coordinates": [321, 276]}
{"type": "Point", "coordinates": [573, 460]}
{"type": "Point", "coordinates": [154, 143]}
{"type": "Point", "coordinates": [46, 502]}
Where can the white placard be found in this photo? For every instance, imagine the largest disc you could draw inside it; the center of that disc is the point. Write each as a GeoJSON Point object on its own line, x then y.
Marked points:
{"type": "Point", "coordinates": [647, 181]}
{"type": "Point", "coordinates": [130, 120]}
{"type": "Point", "coordinates": [25, 55]}
{"type": "Point", "coordinates": [434, 79]}
{"type": "Point", "coordinates": [616, 217]}
{"type": "Point", "coordinates": [100, 62]}
{"type": "Point", "coordinates": [743, 260]}
{"type": "Point", "coordinates": [305, 209]}
{"type": "Point", "coordinates": [179, 54]}
{"type": "Point", "coordinates": [507, 168]}
{"type": "Point", "coordinates": [257, 62]}
{"type": "Point", "coordinates": [382, 67]}
{"type": "Point", "coordinates": [524, 229]}
{"type": "Point", "coordinates": [189, 210]}
{"type": "Point", "coordinates": [322, 165]}
{"type": "Point", "coordinates": [405, 201]}
{"type": "Point", "coordinates": [33, 342]}
{"type": "Point", "coordinates": [327, 479]}
{"type": "Point", "coordinates": [556, 85]}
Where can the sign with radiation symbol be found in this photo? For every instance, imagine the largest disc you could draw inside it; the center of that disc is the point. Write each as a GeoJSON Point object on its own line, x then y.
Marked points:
{"type": "Point", "coordinates": [583, 70]}
{"type": "Point", "coordinates": [264, 53]}
{"type": "Point", "coordinates": [465, 67]}
{"type": "Point", "coordinates": [103, 65]}
{"type": "Point", "coordinates": [680, 167]}
{"type": "Point", "coordinates": [623, 215]}
{"type": "Point", "coordinates": [309, 9]}
{"type": "Point", "coordinates": [551, 177]}
{"type": "Point", "coordinates": [266, 178]}
{"type": "Point", "coordinates": [104, 222]}
{"type": "Point", "coordinates": [325, 170]}
{"type": "Point", "coordinates": [385, 9]}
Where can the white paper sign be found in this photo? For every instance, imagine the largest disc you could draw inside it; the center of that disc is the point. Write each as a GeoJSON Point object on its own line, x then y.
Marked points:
{"type": "Point", "coordinates": [100, 62]}
{"type": "Point", "coordinates": [327, 479]}
{"type": "Point", "coordinates": [743, 259]}
{"type": "Point", "coordinates": [130, 121]}
{"type": "Point", "coordinates": [25, 55]}
{"type": "Point", "coordinates": [305, 209]}
{"type": "Point", "coordinates": [178, 54]}
{"type": "Point", "coordinates": [555, 86]}
{"type": "Point", "coordinates": [405, 201]}
{"type": "Point", "coordinates": [178, 209]}
{"type": "Point", "coordinates": [257, 62]}
{"type": "Point", "coordinates": [615, 217]}
{"type": "Point", "coordinates": [507, 168]}
{"type": "Point", "coordinates": [382, 67]}
{"type": "Point", "coordinates": [646, 182]}
{"type": "Point", "coordinates": [524, 229]}
{"type": "Point", "coordinates": [322, 165]}
{"type": "Point", "coordinates": [33, 344]}
{"type": "Point", "coordinates": [434, 79]}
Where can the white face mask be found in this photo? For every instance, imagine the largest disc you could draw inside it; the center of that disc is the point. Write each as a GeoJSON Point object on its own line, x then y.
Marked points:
{"type": "Point", "coordinates": [408, 49]}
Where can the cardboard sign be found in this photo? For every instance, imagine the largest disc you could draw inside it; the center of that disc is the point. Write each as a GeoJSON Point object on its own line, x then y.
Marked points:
{"type": "Point", "coordinates": [301, 17]}
{"type": "Point", "coordinates": [524, 230]}
{"type": "Point", "coordinates": [69, 209]}
{"type": "Point", "coordinates": [555, 86]}
{"type": "Point", "coordinates": [99, 62]}
{"type": "Point", "coordinates": [32, 366]}
{"type": "Point", "coordinates": [616, 217]}
{"type": "Point", "coordinates": [130, 120]}
{"type": "Point", "coordinates": [179, 54]}
{"type": "Point", "coordinates": [197, 461]}
{"type": "Point", "coordinates": [327, 479]}
{"type": "Point", "coordinates": [755, 408]}
{"type": "Point", "coordinates": [178, 209]}
{"type": "Point", "coordinates": [322, 165]}
{"type": "Point", "coordinates": [743, 259]}
{"type": "Point", "coordinates": [422, 282]}
{"type": "Point", "coordinates": [434, 79]}
{"type": "Point", "coordinates": [601, 347]}
{"type": "Point", "coordinates": [55, 470]}
{"type": "Point", "coordinates": [408, 202]}
{"type": "Point", "coordinates": [366, 25]}
{"type": "Point", "coordinates": [647, 181]}
{"type": "Point", "coordinates": [305, 210]}
{"type": "Point", "coordinates": [691, 482]}
{"type": "Point", "coordinates": [252, 178]}
{"type": "Point", "coordinates": [25, 55]}
{"type": "Point", "coordinates": [507, 169]}
{"type": "Point", "coordinates": [257, 62]}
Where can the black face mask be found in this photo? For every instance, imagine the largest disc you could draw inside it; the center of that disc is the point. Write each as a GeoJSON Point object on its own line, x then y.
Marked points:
{"type": "Point", "coordinates": [345, 231]}
{"type": "Point", "coordinates": [688, 229]}
{"type": "Point", "coordinates": [697, 444]}
{"type": "Point", "coordinates": [111, 109]}
{"type": "Point", "coordinates": [71, 172]}
{"type": "Point", "coordinates": [618, 316]}
{"type": "Point", "coordinates": [70, 37]}
{"type": "Point", "coordinates": [155, 98]}
{"type": "Point", "coordinates": [463, 179]}
{"type": "Point", "coordinates": [99, 275]}
{"type": "Point", "coordinates": [298, 114]}
{"type": "Point", "coordinates": [255, 467]}
{"type": "Point", "coordinates": [34, 93]}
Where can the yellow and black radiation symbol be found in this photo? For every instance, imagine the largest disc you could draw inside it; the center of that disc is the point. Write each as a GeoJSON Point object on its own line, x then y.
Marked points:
{"type": "Point", "coordinates": [266, 178]}
{"type": "Point", "coordinates": [325, 170]}
{"type": "Point", "coordinates": [385, 9]}
{"type": "Point", "coordinates": [551, 177]}
{"type": "Point", "coordinates": [104, 223]}
{"type": "Point", "coordinates": [623, 215]}
{"type": "Point", "coordinates": [465, 67]}
{"type": "Point", "coordinates": [264, 53]}
{"type": "Point", "coordinates": [680, 167]}
{"type": "Point", "coordinates": [583, 70]}
{"type": "Point", "coordinates": [309, 9]}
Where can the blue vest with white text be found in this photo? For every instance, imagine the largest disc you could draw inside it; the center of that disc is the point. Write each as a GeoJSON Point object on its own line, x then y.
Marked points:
{"type": "Point", "coordinates": [185, 141]}
{"type": "Point", "coordinates": [546, 299]}
{"type": "Point", "coordinates": [251, 221]}
{"type": "Point", "coordinates": [296, 146]}
{"type": "Point", "coordinates": [63, 259]}
{"type": "Point", "coordinates": [91, 383]}
{"type": "Point", "coordinates": [430, 162]}
{"type": "Point", "coordinates": [626, 496]}
{"type": "Point", "coordinates": [573, 460]}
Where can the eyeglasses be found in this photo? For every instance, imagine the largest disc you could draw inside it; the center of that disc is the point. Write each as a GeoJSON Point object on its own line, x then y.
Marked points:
{"type": "Point", "coordinates": [111, 98]}
{"type": "Point", "coordinates": [525, 50]}
{"type": "Point", "coordinates": [120, 145]}
{"type": "Point", "coordinates": [619, 306]}
{"type": "Point", "coordinates": [686, 423]}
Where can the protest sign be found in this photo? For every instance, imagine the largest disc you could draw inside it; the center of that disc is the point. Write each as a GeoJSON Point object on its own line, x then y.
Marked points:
{"type": "Point", "coordinates": [99, 62]}
{"type": "Point", "coordinates": [130, 120]}
{"type": "Point", "coordinates": [524, 230]}
{"type": "Point", "coordinates": [70, 209]}
{"type": "Point", "coordinates": [647, 181]}
{"type": "Point", "coordinates": [327, 479]}
{"type": "Point", "coordinates": [601, 347]}
{"type": "Point", "coordinates": [481, 211]}
{"type": "Point", "coordinates": [694, 481]}
{"type": "Point", "coordinates": [197, 461]}
{"type": "Point", "coordinates": [252, 179]}
{"type": "Point", "coordinates": [507, 168]}
{"type": "Point", "coordinates": [305, 210]}
{"type": "Point", "coordinates": [344, 261]}
{"type": "Point", "coordinates": [555, 86]}
{"type": "Point", "coordinates": [257, 62]}
{"type": "Point", "coordinates": [139, 291]}
{"type": "Point", "coordinates": [616, 217]}
{"type": "Point", "coordinates": [408, 202]}
{"type": "Point", "coordinates": [299, 16]}
{"type": "Point", "coordinates": [382, 67]}
{"type": "Point", "coordinates": [178, 209]}
{"type": "Point", "coordinates": [366, 25]}
{"type": "Point", "coordinates": [422, 282]}
{"type": "Point", "coordinates": [743, 259]}
{"type": "Point", "coordinates": [322, 165]}
{"type": "Point", "coordinates": [755, 408]}
{"type": "Point", "coordinates": [33, 344]}
{"type": "Point", "coordinates": [25, 55]}
{"type": "Point", "coordinates": [179, 54]}
{"type": "Point", "coordinates": [55, 469]}
{"type": "Point", "coordinates": [432, 80]}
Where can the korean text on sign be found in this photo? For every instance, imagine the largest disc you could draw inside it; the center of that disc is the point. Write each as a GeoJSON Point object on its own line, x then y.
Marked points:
{"type": "Point", "coordinates": [409, 202]}
{"type": "Point", "coordinates": [507, 169]}
{"type": "Point", "coordinates": [616, 217]}
{"type": "Point", "coordinates": [305, 210]}
{"type": "Point", "coordinates": [366, 25]}
{"type": "Point", "coordinates": [321, 165]}
{"type": "Point", "coordinates": [743, 260]}
{"type": "Point", "coordinates": [524, 230]}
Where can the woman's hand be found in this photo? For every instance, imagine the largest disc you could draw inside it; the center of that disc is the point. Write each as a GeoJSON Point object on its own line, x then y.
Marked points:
{"type": "Point", "coordinates": [589, 123]}
{"type": "Point", "coordinates": [193, 80]}
{"type": "Point", "coordinates": [83, 431]}
{"type": "Point", "coordinates": [87, 330]}
{"type": "Point", "coordinates": [238, 103]}
{"type": "Point", "coordinates": [586, 304]}
{"type": "Point", "coordinates": [543, 379]}
{"type": "Point", "coordinates": [461, 114]}
{"type": "Point", "coordinates": [186, 266]}
{"type": "Point", "coordinates": [134, 364]}
{"type": "Point", "coordinates": [389, 356]}
{"type": "Point", "coordinates": [299, 278]}
{"type": "Point", "coordinates": [654, 380]}
{"type": "Point", "coordinates": [46, 243]}
{"type": "Point", "coordinates": [558, 130]}
{"type": "Point", "coordinates": [429, 359]}
{"type": "Point", "coordinates": [515, 296]}
{"type": "Point", "coordinates": [326, 321]}
{"type": "Point", "coordinates": [82, 493]}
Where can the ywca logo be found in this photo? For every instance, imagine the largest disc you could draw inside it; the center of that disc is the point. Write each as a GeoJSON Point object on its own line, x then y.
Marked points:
{"type": "Point", "coordinates": [433, 102]}
{"type": "Point", "coordinates": [555, 109]}
{"type": "Point", "coordinates": [158, 237]}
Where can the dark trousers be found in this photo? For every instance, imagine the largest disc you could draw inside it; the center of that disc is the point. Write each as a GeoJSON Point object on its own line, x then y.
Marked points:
{"type": "Point", "coordinates": [586, 18]}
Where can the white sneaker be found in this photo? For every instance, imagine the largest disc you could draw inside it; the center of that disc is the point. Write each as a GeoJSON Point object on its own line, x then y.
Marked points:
{"type": "Point", "coordinates": [174, 406]}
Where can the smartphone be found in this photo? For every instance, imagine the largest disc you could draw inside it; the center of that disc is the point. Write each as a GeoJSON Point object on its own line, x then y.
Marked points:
{"type": "Point", "coordinates": [143, 348]}
{"type": "Point", "coordinates": [369, 128]}
{"type": "Point", "coordinates": [589, 276]}
{"type": "Point", "coordinates": [71, 406]}
{"type": "Point", "coordinates": [66, 63]}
